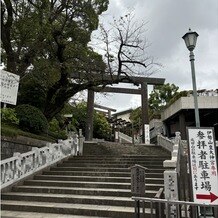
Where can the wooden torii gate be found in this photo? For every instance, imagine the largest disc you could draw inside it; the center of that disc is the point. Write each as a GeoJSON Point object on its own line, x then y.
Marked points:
{"type": "Point", "coordinates": [143, 81]}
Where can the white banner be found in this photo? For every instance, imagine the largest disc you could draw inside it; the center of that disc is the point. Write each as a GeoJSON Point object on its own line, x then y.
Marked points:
{"type": "Point", "coordinates": [9, 87]}
{"type": "Point", "coordinates": [147, 134]}
{"type": "Point", "coordinates": [203, 163]}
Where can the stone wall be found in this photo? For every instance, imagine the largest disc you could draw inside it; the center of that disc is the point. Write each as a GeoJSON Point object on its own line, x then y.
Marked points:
{"type": "Point", "coordinates": [20, 144]}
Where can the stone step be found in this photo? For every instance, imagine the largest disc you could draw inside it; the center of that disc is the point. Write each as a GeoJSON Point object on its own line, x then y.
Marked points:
{"type": "Point", "coordinates": [74, 209]}
{"type": "Point", "coordinates": [102, 173]}
{"type": "Point", "coordinates": [123, 156]}
{"type": "Point", "coordinates": [118, 158]}
{"type": "Point", "coordinates": [109, 165]}
{"type": "Point", "coordinates": [97, 169]}
{"type": "Point", "coordinates": [79, 191]}
{"type": "Point", "coordinates": [91, 178]}
{"type": "Point", "coordinates": [102, 165]}
{"type": "Point", "coordinates": [103, 169]}
{"type": "Point", "coordinates": [100, 158]}
{"type": "Point", "coordinates": [146, 159]}
{"type": "Point", "coordinates": [73, 199]}
{"type": "Point", "coordinates": [80, 184]}
{"type": "Point", "coordinates": [23, 214]}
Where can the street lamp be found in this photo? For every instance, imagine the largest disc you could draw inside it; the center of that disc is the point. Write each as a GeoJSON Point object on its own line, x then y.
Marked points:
{"type": "Point", "coordinates": [190, 39]}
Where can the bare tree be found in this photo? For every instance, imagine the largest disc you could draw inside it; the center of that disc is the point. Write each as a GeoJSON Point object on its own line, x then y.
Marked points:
{"type": "Point", "coordinates": [125, 48]}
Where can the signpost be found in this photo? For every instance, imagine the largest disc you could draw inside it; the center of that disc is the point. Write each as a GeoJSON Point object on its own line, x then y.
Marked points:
{"type": "Point", "coordinates": [9, 87]}
{"type": "Point", "coordinates": [203, 165]}
{"type": "Point", "coordinates": [138, 184]}
{"type": "Point", "coordinates": [147, 134]}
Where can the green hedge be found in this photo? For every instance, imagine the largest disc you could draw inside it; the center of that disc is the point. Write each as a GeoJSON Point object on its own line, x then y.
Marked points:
{"type": "Point", "coordinates": [31, 119]}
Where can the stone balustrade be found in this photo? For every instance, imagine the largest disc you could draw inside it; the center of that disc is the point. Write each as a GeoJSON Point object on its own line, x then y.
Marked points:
{"type": "Point", "coordinates": [172, 172]}
{"type": "Point", "coordinates": [165, 142]}
{"type": "Point", "coordinates": [124, 138]}
{"type": "Point", "coordinates": [22, 165]}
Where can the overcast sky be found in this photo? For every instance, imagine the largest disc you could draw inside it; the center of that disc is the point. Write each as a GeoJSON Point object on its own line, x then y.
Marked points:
{"type": "Point", "coordinates": [168, 21]}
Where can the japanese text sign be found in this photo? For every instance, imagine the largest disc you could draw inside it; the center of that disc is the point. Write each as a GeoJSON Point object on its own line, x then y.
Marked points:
{"type": "Point", "coordinates": [147, 134]}
{"type": "Point", "coordinates": [203, 164]}
{"type": "Point", "coordinates": [9, 87]}
{"type": "Point", "coordinates": [138, 180]}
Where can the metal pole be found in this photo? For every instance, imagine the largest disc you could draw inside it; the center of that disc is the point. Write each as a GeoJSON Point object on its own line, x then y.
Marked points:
{"type": "Point", "coordinates": [197, 120]}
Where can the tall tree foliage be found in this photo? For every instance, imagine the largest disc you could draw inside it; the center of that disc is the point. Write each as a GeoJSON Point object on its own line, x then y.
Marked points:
{"type": "Point", "coordinates": [161, 95]}
{"type": "Point", "coordinates": [101, 127]}
{"type": "Point", "coordinates": [47, 41]}
{"type": "Point", "coordinates": [159, 98]}
{"type": "Point", "coordinates": [48, 38]}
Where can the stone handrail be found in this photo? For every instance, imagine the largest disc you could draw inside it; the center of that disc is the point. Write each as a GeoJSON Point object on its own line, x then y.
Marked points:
{"type": "Point", "coordinates": [172, 172]}
{"type": "Point", "coordinates": [20, 166]}
{"type": "Point", "coordinates": [165, 142]}
{"type": "Point", "coordinates": [175, 154]}
{"type": "Point", "coordinates": [124, 137]}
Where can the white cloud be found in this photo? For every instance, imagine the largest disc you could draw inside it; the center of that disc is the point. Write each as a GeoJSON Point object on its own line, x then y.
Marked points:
{"type": "Point", "coordinates": [168, 21]}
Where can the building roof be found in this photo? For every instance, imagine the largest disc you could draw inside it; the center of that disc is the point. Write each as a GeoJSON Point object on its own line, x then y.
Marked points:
{"type": "Point", "coordinates": [204, 102]}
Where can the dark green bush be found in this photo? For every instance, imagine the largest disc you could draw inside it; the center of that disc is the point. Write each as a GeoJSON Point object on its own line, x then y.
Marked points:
{"type": "Point", "coordinates": [32, 92]}
{"type": "Point", "coordinates": [31, 119]}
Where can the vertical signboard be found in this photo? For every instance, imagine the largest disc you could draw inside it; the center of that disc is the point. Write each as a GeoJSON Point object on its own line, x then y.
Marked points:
{"type": "Point", "coordinates": [138, 180]}
{"type": "Point", "coordinates": [147, 134]}
{"type": "Point", "coordinates": [203, 164]}
{"type": "Point", "coordinates": [171, 185]}
{"type": "Point", "coordinates": [9, 87]}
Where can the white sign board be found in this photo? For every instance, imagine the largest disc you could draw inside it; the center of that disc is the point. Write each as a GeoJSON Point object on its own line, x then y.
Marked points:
{"type": "Point", "coordinates": [147, 134]}
{"type": "Point", "coordinates": [138, 180]}
{"type": "Point", "coordinates": [9, 87]}
{"type": "Point", "coordinates": [203, 164]}
{"type": "Point", "coordinates": [116, 135]}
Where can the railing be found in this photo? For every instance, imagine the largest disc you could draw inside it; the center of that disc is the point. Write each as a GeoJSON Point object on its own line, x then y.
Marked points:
{"type": "Point", "coordinates": [161, 208]}
{"type": "Point", "coordinates": [174, 187]}
{"type": "Point", "coordinates": [156, 131]}
{"type": "Point", "coordinates": [165, 142]}
{"type": "Point", "coordinates": [175, 153]}
{"type": "Point", "coordinates": [124, 137]}
{"type": "Point", "coordinates": [20, 166]}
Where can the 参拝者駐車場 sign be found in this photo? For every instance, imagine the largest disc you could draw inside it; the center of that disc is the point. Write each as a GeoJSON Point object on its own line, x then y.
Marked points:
{"type": "Point", "coordinates": [203, 165]}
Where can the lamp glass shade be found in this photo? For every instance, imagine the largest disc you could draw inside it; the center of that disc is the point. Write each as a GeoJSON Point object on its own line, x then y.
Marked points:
{"type": "Point", "coordinates": [190, 39]}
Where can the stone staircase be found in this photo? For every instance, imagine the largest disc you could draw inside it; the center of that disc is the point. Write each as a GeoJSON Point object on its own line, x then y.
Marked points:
{"type": "Point", "coordinates": [86, 186]}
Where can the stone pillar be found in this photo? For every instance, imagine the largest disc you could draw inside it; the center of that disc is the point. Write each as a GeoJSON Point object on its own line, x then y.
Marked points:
{"type": "Point", "coordinates": [90, 115]}
{"type": "Point", "coordinates": [81, 139]}
{"type": "Point", "coordinates": [144, 102]}
{"type": "Point", "coordinates": [109, 114]}
{"type": "Point", "coordinates": [182, 125]}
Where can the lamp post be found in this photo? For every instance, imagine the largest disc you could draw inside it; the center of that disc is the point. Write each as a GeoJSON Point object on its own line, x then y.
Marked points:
{"type": "Point", "coordinates": [190, 39]}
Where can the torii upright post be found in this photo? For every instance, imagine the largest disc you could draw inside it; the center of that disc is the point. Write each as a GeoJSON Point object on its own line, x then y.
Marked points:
{"type": "Point", "coordinates": [90, 115]}
{"type": "Point", "coordinates": [144, 102]}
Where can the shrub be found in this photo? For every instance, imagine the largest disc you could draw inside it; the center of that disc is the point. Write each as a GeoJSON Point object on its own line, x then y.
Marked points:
{"type": "Point", "coordinates": [31, 119]}
{"type": "Point", "coordinates": [55, 130]}
{"type": "Point", "coordinates": [32, 92]}
{"type": "Point", "coordinates": [8, 115]}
